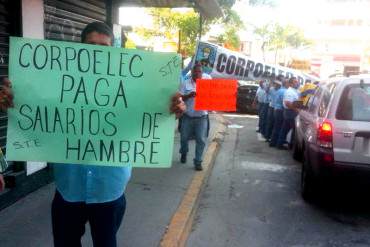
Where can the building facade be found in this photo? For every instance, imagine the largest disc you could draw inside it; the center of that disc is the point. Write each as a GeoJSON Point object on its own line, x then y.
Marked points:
{"type": "Point", "coordinates": [342, 38]}
{"type": "Point", "coordinates": [58, 20]}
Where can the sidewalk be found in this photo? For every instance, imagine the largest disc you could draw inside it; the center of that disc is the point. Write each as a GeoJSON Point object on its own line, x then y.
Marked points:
{"type": "Point", "coordinates": [153, 195]}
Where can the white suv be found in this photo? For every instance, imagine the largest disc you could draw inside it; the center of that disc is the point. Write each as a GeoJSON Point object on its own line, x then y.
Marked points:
{"type": "Point", "coordinates": [333, 133]}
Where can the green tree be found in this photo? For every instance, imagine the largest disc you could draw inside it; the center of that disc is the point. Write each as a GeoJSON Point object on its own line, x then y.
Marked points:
{"type": "Point", "coordinates": [264, 33]}
{"type": "Point", "coordinates": [230, 37]}
{"type": "Point", "coordinates": [171, 25]}
{"type": "Point", "coordinates": [278, 40]}
{"type": "Point", "coordinates": [296, 38]}
{"type": "Point", "coordinates": [231, 23]}
{"type": "Point", "coordinates": [269, 3]}
{"type": "Point", "coordinates": [277, 37]}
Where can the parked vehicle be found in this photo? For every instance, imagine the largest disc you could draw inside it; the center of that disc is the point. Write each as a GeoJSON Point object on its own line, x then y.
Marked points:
{"type": "Point", "coordinates": [246, 94]}
{"type": "Point", "coordinates": [333, 133]}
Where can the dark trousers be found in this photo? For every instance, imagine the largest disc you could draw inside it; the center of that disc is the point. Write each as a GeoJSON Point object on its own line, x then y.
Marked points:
{"type": "Point", "coordinates": [278, 122]}
{"type": "Point", "coordinates": [263, 117]}
{"type": "Point", "coordinates": [269, 123]}
{"type": "Point", "coordinates": [288, 124]}
{"type": "Point", "coordinates": [259, 108]}
{"type": "Point", "coordinates": [197, 126]}
{"type": "Point", "coordinates": [69, 219]}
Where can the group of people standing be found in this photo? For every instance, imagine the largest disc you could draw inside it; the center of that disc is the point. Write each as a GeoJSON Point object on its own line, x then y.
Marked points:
{"type": "Point", "coordinates": [277, 108]}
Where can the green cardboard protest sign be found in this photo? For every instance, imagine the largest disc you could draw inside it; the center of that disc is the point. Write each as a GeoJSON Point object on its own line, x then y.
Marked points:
{"type": "Point", "coordinates": [85, 104]}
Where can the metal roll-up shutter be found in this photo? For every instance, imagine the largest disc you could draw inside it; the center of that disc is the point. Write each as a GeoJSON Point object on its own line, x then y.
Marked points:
{"type": "Point", "coordinates": [4, 59]}
{"type": "Point", "coordinates": [65, 19]}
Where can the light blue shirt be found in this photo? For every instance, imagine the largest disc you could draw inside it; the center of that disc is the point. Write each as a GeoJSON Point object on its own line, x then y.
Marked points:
{"type": "Point", "coordinates": [261, 95]}
{"type": "Point", "coordinates": [279, 97]}
{"type": "Point", "coordinates": [89, 183]}
{"type": "Point", "coordinates": [290, 95]}
{"type": "Point", "coordinates": [186, 87]}
{"type": "Point", "coordinates": [272, 96]}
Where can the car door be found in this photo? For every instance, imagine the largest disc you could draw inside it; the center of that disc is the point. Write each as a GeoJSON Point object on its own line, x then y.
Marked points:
{"type": "Point", "coordinates": [308, 118]}
{"type": "Point", "coordinates": [351, 138]}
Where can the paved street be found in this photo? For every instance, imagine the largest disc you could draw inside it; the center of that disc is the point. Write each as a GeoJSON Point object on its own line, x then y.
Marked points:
{"type": "Point", "coordinates": [153, 196]}
{"type": "Point", "coordinates": [253, 199]}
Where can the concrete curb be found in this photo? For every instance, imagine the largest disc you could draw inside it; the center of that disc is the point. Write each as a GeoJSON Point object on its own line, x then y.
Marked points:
{"type": "Point", "coordinates": [182, 220]}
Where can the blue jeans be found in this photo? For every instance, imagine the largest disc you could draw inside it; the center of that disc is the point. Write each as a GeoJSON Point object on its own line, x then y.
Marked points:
{"type": "Point", "coordinates": [196, 126]}
{"type": "Point", "coordinates": [69, 220]}
{"type": "Point", "coordinates": [278, 122]}
{"type": "Point", "coordinates": [269, 122]}
{"type": "Point", "coordinates": [288, 124]}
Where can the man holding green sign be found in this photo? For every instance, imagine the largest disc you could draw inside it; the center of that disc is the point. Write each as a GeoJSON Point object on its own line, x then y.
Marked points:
{"type": "Point", "coordinates": [90, 105]}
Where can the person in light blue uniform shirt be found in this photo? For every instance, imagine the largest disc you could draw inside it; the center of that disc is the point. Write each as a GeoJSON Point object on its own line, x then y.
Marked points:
{"type": "Point", "coordinates": [79, 183]}
{"type": "Point", "coordinates": [278, 110]}
{"type": "Point", "coordinates": [89, 193]}
{"type": "Point", "coordinates": [290, 112]}
{"type": "Point", "coordinates": [193, 122]}
{"type": "Point", "coordinates": [265, 99]}
{"type": "Point", "coordinates": [275, 85]}
{"type": "Point", "coordinates": [260, 101]}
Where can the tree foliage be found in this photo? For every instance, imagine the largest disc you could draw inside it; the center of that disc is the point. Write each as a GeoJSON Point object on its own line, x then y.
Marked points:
{"type": "Point", "coordinates": [168, 23]}
{"type": "Point", "coordinates": [277, 37]}
{"type": "Point", "coordinates": [269, 3]}
{"type": "Point", "coordinates": [226, 4]}
{"type": "Point", "coordinates": [231, 23]}
{"type": "Point", "coordinates": [230, 38]}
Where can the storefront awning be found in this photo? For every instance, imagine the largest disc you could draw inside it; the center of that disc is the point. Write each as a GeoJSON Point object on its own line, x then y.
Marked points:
{"type": "Point", "coordinates": [208, 8]}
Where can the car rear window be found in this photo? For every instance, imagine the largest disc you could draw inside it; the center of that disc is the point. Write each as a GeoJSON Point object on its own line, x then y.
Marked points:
{"type": "Point", "coordinates": [355, 103]}
{"type": "Point", "coordinates": [248, 89]}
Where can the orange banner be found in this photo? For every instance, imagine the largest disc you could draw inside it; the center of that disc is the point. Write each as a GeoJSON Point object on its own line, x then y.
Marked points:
{"type": "Point", "coordinates": [216, 94]}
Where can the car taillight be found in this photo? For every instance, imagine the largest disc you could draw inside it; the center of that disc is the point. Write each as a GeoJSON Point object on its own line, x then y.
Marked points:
{"type": "Point", "coordinates": [325, 135]}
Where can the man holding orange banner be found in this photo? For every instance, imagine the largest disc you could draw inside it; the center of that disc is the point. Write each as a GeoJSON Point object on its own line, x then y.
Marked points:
{"type": "Point", "coordinates": [194, 123]}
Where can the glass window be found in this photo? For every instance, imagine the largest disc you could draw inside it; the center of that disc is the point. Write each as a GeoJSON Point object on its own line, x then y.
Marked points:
{"type": "Point", "coordinates": [324, 104]}
{"type": "Point", "coordinates": [315, 101]}
{"type": "Point", "coordinates": [331, 87]}
{"type": "Point", "coordinates": [355, 103]}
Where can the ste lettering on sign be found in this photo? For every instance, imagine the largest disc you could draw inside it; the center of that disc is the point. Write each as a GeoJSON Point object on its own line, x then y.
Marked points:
{"type": "Point", "coordinates": [85, 104]}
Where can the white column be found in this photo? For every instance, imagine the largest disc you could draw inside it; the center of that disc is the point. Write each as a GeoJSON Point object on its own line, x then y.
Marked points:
{"type": "Point", "coordinates": [33, 27]}
{"type": "Point", "coordinates": [33, 19]}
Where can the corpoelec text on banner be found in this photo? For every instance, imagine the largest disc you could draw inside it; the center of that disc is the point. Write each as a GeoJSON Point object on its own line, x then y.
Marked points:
{"type": "Point", "coordinates": [220, 62]}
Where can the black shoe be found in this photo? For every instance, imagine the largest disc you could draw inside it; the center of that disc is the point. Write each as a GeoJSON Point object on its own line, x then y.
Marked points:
{"type": "Point", "coordinates": [272, 145]}
{"type": "Point", "coordinates": [183, 158]}
{"type": "Point", "coordinates": [282, 148]}
{"type": "Point", "coordinates": [198, 167]}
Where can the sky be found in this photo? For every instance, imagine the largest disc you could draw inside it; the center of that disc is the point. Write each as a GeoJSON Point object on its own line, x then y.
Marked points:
{"type": "Point", "coordinates": [295, 12]}
{"type": "Point", "coordinates": [287, 11]}
{"type": "Point", "coordinates": [128, 16]}
{"type": "Point", "coordinates": [302, 13]}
